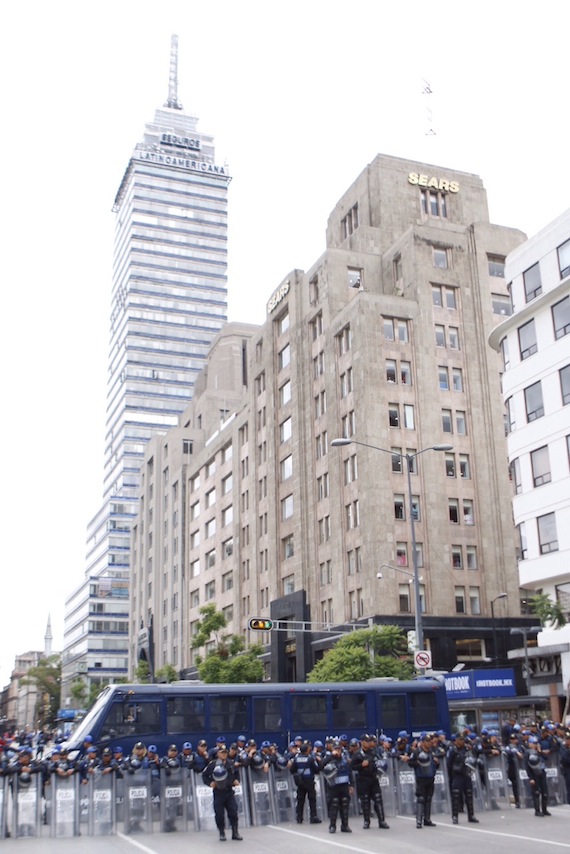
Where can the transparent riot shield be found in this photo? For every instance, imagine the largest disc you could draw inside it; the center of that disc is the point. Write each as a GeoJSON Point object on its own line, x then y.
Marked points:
{"type": "Point", "coordinates": [4, 790]}
{"type": "Point", "coordinates": [262, 797]}
{"type": "Point", "coordinates": [102, 804]}
{"type": "Point", "coordinates": [173, 799]}
{"type": "Point", "coordinates": [406, 790]}
{"type": "Point", "coordinates": [388, 789]}
{"type": "Point", "coordinates": [63, 800]}
{"type": "Point", "coordinates": [120, 797]}
{"type": "Point", "coordinates": [441, 801]}
{"type": "Point", "coordinates": [26, 794]}
{"type": "Point", "coordinates": [283, 785]}
{"type": "Point", "coordinates": [203, 798]}
{"type": "Point", "coordinates": [554, 781]}
{"type": "Point", "coordinates": [137, 801]}
{"type": "Point", "coordinates": [525, 791]}
{"type": "Point", "coordinates": [478, 799]}
{"type": "Point", "coordinates": [496, 790]}
{"type": "Point", "coordinates": [321, 790]}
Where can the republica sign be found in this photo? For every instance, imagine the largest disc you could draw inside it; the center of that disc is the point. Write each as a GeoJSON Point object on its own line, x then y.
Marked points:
{"type": "Point", "coordinates": [276, 297]}
{"type": "Point", "coordinates": [433, 183]}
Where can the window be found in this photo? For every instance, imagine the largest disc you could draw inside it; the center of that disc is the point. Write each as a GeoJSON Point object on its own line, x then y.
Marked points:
{"type": "Point", "coordinates": [523, 541]}
{"type": "Point", "coordinates": [354, 277]}
{"type": "Point", "coordinates": [195, 510]}
{"type": "Point", "coordinates": [320, 404]}
{"type": "Point", "coordinates": [433, 204]}
{"type": "Point", "coordinates": [453, 334]}
{"type": "Point", "coordinates": [460, 600]}
{"type": "Point", "coordinates": [194, 568]}
{"type": "Point", "coordinates": [509, 416]}
{"type": "Point", "coordinates": [352, 515]}
{"type": "Point", "coordinates": [391, 373]}
{"type": "Point", "coordinates": [450, 298]}
{"type": "Point", "coordinates": [532, 282]}
{"type": "Point", "coordinates": [561, 317]}
{"type": "Point", "coordinates": [195, 483]}
{"type": "Point", "coordinates": [471, 552]}
{"type": "Point", "coordinates": [348, 425]}
{"type": "Point", "coordinates": [260, 383]}
{"type": "Point", "coordinates": [397, 460]}
{"type": "Point", "coordinates": [227, 548]}
{"type": "Point", "coordinates": [505, 353]}
{"type": "Point", "coordinates": [210, 590]}
{"type": "Point", "coordinates": [468, 518]}
{"type": "Point", "coordinates": [227, 581]}
{"type": "Point", "coordinates": [405, 373]}
{"type": "Point", "coordinates": [453, 510]}
{"type": "Point", "coordinates": [284, 357]}
{"type": "Point", "coordinates": [398, 271]}
{"type": "Point", "coordinates": [287, 507]}
{"type": "Point", "coordinates": [350, 469]}
{"type": "Point", "coordinates": [288, 585]}
{"type": "Point", "coordinates": [496, 266]}
{"type": "Point", "coordinates": [399, 507]}
{"type": "Point", "coordinates": [321, 444]}
{"type": "Point", "coordinates": [457, 557]}
{"type": "Point", "coordinates": [565, 384]}
{"type": "Point", "coordinates": [194, 539]}
{"type": "Point", "coordinates": [288, 547]}
{"type": "Point", "coordinates": [404, 598]}
{"type": "Point", "coordinates": [450, 465]}
{"type": "Point", "coordinates": [344, 341]}
{"type": "Point", "coordinates": [416, 508]}
{"type": "Point", "coordinates": [318, 365]}
{"type": "Point", "coordinates": [211, 558]}
{"type": "Point", "coordinates": [409, 416]}
{"type": "Point", "coordinates": [527, 339]}
{"type": "Point", "coordinates": [346, 383]}
{"type": "Point", "coordinates": [210, 468]}
{"type": "Point", "coordinates": [440, 258]}
{"type": "Point", "coordinates": [227, 484]}
{"type": "Point", "coordinates": [285, 430]}
{"type": "Point", "coordinates": [285, 393]}
{"type": "Point", "coordinates": [564, 259]}
{"type": "Point", "coordinates": [194, 598]}
{"type": "Point", "coordinates": [395, 329]}
{"type": "Point", "coordinates": [323, 486]}
{"type": "Point", "coordinates": [516, 475]}
{"type": "Point", "coordinates": [446, 422]}
{"type": "Point", "coordinates": [317, 326]}
{"type": "Point", "coordinates": [540, 463]}
{"type": "Point", "coordinates": [314, 290]}
{"type": "Point", "coordinates": [533, 401]}
{"type": "Point", "coordinates": [393, 415]}
{"type": "Point", "coordinates": [210, 528]}
{"type": "Point", "coordinates": [227, 516]}
{"type": "Point", "coordinates": [464, 467]}
{"type": "Point", "coordinates": [474, 600]}
{"type": "Point", "coordinates": [443, 378]}
{"type": "Point", "coordinates": [283, 323]}
{"type": "Point", "coordinates": [501, 304]}
{"type": "Point", "coordinates": [437, 295]}
{"type": "Point", "coordinates": [401, 554]}
{"type": "Point", "coordinates": [457, 376]}
{"type": "Point", "coordinates": [286, 467]}
{"type": "Point", "coordinates": [349, 223]}
{"type": "Point", "coordinates": [547, 537]}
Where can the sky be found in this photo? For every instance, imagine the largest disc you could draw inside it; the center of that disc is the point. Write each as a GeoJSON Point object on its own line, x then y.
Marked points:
{"type": "Point", "coordinates": [300, 97]}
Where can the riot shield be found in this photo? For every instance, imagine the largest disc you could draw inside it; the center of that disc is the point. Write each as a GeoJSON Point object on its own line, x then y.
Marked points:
{"type": "Point", "coordinates": [102, 804]}
{"type": "Point", "coordinates": [120, 798]}
{"type": "Point", "coordinates": [556, 795]}
{"type": "Point", "coordinates": [478, 799]}
{"type": "Point", "coordinates": [283, 786]}
{"type": "Point", "coordinates": [173, 799]}
{"type": "Point", "coordinates": [496, 790]}
{"type": "Point", "coordinates": [524, 786]}
{"type": "Point", "coordinates": [405, 790]}
{"type": "Point", "coordinates": [63, 801]}
{"type": "Point", "coordinates": [203, 799]}
{"type": "Point", "coordinates": [4, 790]}
{"type": "Point", "coordinates": [441, 801]}
{"type": "Point", "coordinates": [321, 791]}
{"type": "Point", "coordinates": [388, 789]}
{"type": "Point", "coordinates": [262, 801]}
{"type": "Point", "coordinates": [137, 801]}
{"type": "Point", "coordinates": [26, 795]}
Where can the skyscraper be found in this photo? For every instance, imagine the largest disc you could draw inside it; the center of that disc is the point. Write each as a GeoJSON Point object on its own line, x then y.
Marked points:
{"type": "Point", "coordinates": [169, 299]}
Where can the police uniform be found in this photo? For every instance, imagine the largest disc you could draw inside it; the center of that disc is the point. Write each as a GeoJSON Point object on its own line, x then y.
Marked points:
{"type": "Point", "coordinates": [535, 767]}
{"type": "Point", "coordinates": [461, 783]}
{"type": "Point", "coordinates": [221, 775]}
{"type": "Point", "coordinates": [303, 767]}
{"type": "Point", "coordinates": [338, 774]}
{"type": "Point", "coordinates": [368, 764]}
{"type": "Point", "coordinates": [425, 762]}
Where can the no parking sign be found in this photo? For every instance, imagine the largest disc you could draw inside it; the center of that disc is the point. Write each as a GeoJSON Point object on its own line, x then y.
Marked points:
{"type": "Point", "coordinates": [422, 659]}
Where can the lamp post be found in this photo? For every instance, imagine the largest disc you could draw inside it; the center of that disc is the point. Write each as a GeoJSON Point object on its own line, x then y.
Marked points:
{"type": "Point", "coordinates": [494, 627]}
{"type": "Point", "coordinates": [338, 443]}
{"type": "Point", "coordinates": [525, 632]}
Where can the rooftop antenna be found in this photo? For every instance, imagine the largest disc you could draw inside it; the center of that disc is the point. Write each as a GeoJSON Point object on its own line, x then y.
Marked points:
{"type": "Point", "coordinates": [173, 101]}
{"type": "Point", "coordinates": [427, 90]}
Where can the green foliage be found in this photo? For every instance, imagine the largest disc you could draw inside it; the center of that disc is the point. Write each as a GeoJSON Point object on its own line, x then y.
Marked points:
{"type": "Point", "coordinates": [142, 672]}
{"type": "Point", "coordinates": [364, 654]}
{"type": "Point", "coordinates": [168, 673]}
{"type": "Point", "coordinates": [79, 692]}
{"type": "Point", "coordinates": [46, 676]}
{"type": "Point", "coordinates": [548, 612]}
{"type": "Point", "coordinates": [229, 661]}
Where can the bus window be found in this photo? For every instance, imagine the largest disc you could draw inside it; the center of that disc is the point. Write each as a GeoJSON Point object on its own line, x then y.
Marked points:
{"type": "Point", "coordinates": [309, 713]}
{"type": "Point", "coordinates": [228, 713]}
{"type": "Point", "coordinates": [185, 714]}
{"type": "Point", "coordinates": [137, 719]}
{"type": "Point", "coordinates": [267, 714]}
{"type": "Point", "coordinates": [423, 710]}
{"type": "Point", "coordinates": [348, 711]}
{"type": "Point", "coordinates": [392, 709]}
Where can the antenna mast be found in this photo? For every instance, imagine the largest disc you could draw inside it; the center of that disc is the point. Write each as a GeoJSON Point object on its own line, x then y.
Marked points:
{"type": "Point", "coordinates": [173, 101]}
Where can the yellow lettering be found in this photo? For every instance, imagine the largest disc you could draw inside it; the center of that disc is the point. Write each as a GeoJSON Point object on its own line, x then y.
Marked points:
{"type": "Point", "coordinates": [413, 178]}
{"type": "Point", "coordinates": [453, 187]}
{"type": "Point", "coordinates": [443, 184]}
{"type": "Point", "coordinates": [433, 183]}
{"type": "Point", "coordinates": [423, 179]}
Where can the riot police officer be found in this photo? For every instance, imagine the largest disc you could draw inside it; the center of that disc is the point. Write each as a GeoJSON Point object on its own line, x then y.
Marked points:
{"type": "Point", "coordinates": [368, 765]}
{"type": "Point", "coordinates": [535, 767]}
{"type": "Point", "coordinates": [460, 764]}
{"type": "Point", "coordinates": [338, 775]}
{"type": "Point", "coordinates": [514, 754]}
{"type": "Point", "coordinates": [425, 762]}
{"type": "Point", "coordinates": [222, 777]}
{"type": "Point", "coordinates": [303, 766]}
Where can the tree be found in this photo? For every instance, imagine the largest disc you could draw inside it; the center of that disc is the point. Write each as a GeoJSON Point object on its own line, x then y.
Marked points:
{"type": "Point", "coordinates": [548, 612]}
{"type": "Point", "coordinates": [168, 673]}
{"type": "Point", "coordinates": [79, 692]}
{"type": "Point", "coordinates": [142, 671]}
{"type": "Point", "coordinates": [46, 676]}
{"type": "Point", "coordinates": [363, 654]}
{"type": "Point", "coordinates": [228, 661]}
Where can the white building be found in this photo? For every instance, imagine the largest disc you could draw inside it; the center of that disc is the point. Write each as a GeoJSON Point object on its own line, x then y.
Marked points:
{"type": "Point", "coordinates": [535, 345]}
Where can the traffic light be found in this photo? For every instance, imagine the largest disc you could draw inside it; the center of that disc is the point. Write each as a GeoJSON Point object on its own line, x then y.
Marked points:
{"type": "Point", "coordinates": [258, 624]}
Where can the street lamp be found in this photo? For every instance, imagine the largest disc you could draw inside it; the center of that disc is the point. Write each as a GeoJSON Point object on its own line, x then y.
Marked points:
{"type": "Point", "coordinates": [525, 632]}
{"type": "Point", "coordinates": [494, 627]}
{"type": "Point", "coordinates": [339, 443]}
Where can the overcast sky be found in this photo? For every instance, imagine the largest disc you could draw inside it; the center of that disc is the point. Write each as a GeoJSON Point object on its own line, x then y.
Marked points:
{"type": "Point", "coordinates": [300, 97]}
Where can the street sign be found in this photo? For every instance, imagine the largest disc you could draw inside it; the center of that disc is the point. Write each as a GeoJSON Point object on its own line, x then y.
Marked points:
{"type": "Point", "coordinates": [259, 624]}
{"type": "Point", "coordinates": [422, 659]}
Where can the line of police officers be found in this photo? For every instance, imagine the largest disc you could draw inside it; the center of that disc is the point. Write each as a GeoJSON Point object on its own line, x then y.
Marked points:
{"type": "Point", "coordinates": [343, 763]}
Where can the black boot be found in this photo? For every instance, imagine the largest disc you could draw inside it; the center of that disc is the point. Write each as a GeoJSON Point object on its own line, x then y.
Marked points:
{"type": "Point", "coordinates": [235, 833]}
{"type": "Point", "coordinates": [454, 806]}
{"type": "Point", "coordinates": [365, 804]}
{"type": "Point", "coordinates": [344, 810]}
{"type": "Point", "coordinates": [427, 815]}
{"type": "Point", "coordinates": [379, 810]}
{"type": "Point", "coordinates": [222, 835]}
{"type": "Point", "coordinates": [545, 805]}
{"type": "Point", "coordinates": [470, 812]}
{"type": "Point", "coordinates": [420, 810]}
{"type": "Point", "coordinates": [333, 813]}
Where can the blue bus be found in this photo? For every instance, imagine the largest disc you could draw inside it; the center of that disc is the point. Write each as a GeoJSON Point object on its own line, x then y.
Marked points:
{"type": "Point", "coordinates": [276, 712]}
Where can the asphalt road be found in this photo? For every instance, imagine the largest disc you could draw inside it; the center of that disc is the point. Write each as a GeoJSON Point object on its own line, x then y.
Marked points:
{"type": "Point", "coordinates": [510, 831]}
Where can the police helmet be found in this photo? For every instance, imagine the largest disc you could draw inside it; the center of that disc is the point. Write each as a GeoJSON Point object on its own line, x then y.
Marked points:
{"type": "Point", "coordinates": [117, 749]}
{"type": "Point", "coordinates": [242, 738]}
{"type": "Point", "coordinates": [319, 743]}
{"type": "Point", "coordinates": [172, 747]}
{"type": "Point", "coordinates": [139, 745]}
{"type": "Point", "coordinates": [107, 752]}
{"type": "Point", "coordinates": [135, 764]}
{"type": "Point", "coordinates": [343, 737]}
{"type": "Point", "coordinates": [533, 760]}
{"type": "Point", "coordinates": [257, 760]}
{"type": "Point", "coordinates": [220, 773]}
{"type": "Point", "coordinates": [281, 762]}
{"type": "Point", "coordinates": [403, 734]}
{"type": "Point", "coordinates": [187, 745]}
{"type": "Point", "coordinates": [152, 748]}
{"type": "Point", "coordinates": [266, 744]}
{"type": "Point", "coordinates": [423, 758]}
{"type": "Point", "coordinates": [353, 742]}
{"type": "Point", "coordinates": [329, 771]}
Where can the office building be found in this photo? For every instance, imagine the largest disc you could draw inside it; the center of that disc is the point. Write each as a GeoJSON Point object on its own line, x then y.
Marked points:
{"type": "Point", "coordinates": [534, 343]}
{"type": "Point", "coordinates": [383, 340]}
{"type": "Point", "coordinates": [169, 299]}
